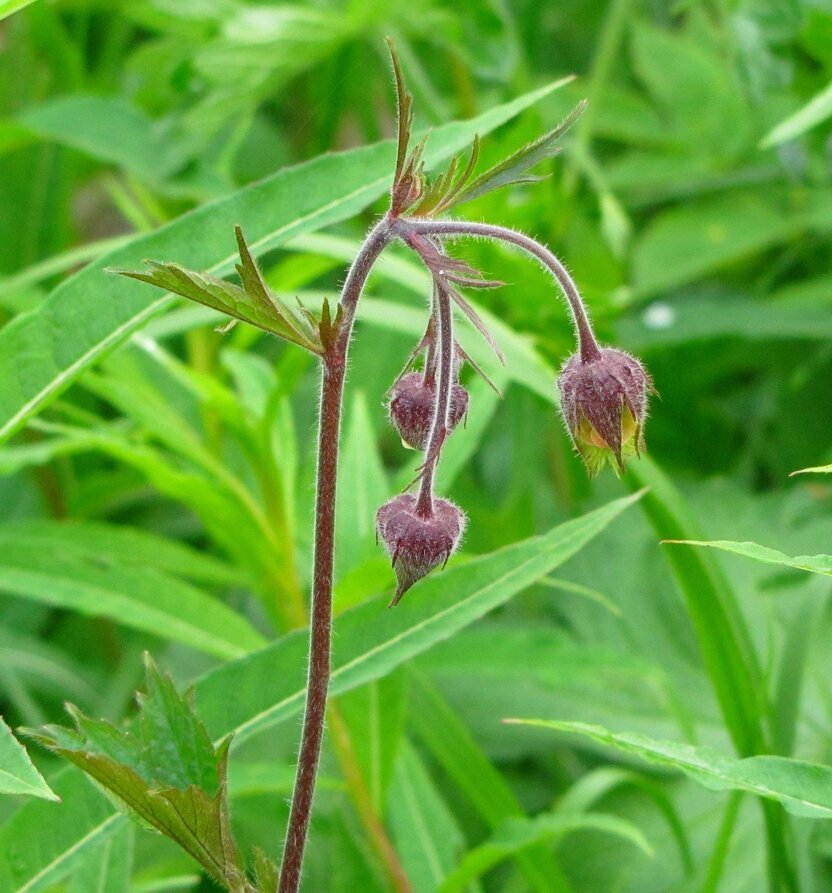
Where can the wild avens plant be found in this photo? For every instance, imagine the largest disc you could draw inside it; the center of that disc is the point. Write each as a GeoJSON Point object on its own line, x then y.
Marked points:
{"type": "Point", "coordinates": [604, 402]}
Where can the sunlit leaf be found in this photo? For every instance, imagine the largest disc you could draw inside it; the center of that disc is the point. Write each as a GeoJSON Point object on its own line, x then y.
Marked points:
{"type": "Point", "coordinates": [816, 110]}
{"type": "Point", "coordinates": [17, 774]}
{"type": "Point", "coordinates": [254, 303]}
{"type": "Point", "coordinates": [41, 353]}
{"type": "Point", "coordinates": [817, 564]}
{"type": "Point", "coordinates": [818, 469]}
{"type": "Point", "coordinates": [7, 7]}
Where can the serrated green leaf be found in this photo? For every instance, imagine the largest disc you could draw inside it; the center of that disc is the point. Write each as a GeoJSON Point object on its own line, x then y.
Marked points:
{"type": "Point", "coordinates": [404, 112]}
{"type": "Point", "coordinates": [17, 774]}
{"type": "Point", "coordinates": [168, 717]}
{"type": "Point", "coordinates": [265, 871]}
{"type": "Point", "coordinates": [804, 789]}
{"type": "Point", "coordinates": [328, 327]}
{"type": "Point", "coordinates": [190, 817]}
{"type": "Point", "coordinates": [165, 771]}
{"type": "Point", "coordinates": [248, 304]}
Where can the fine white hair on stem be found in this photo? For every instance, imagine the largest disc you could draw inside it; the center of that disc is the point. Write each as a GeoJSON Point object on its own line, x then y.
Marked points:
{"type": "Point", "coordinates": [461, 228]}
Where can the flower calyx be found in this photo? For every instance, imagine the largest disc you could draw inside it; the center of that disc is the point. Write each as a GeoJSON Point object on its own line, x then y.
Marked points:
{"type": "Point", "coordinates": [412, 406]}
{"type": "Point", "coordinates": [604, 404]}
{"type": "Point", "coordinates": [418, 542]}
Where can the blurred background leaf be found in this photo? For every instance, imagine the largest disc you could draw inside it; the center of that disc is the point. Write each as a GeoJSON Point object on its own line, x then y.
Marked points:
{"type": "Point", "coordinates": [693, 204]}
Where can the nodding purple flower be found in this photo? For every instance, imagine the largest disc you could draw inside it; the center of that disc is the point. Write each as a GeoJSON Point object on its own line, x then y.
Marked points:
{"type": "Point", "coordinates": [413, 404]}
{"type": "Point", "coordinates": [604, 405]}
{"type": "Point", "coordinates": [416, 542]}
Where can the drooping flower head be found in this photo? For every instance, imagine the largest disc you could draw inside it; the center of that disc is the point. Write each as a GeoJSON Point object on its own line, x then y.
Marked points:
{"type": "Point", "coordinates": [604, 405]}
{"type": "Point", "coordinates": [413, 404]}
{"type": "Point", "coordinates": [418, 543]}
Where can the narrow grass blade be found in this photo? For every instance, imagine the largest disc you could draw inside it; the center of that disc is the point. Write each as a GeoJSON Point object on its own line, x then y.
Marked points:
{"type": "Point", "coordinates": [816, 110]}
{"type": "Point", "coordinates": [816, 564]}
{"type": "Point", "coordinates": [723, 637]}
{"type": "Point", "coordinates": [805, 789]}
{"type": "Point", "coordinates": [516, 835]}
{"type": "Point", "coordinates": [8, 7]}
{"type": "Point", "coordinates": [453, 746]}
{"type": "Point", "coordinates": [141, 598]}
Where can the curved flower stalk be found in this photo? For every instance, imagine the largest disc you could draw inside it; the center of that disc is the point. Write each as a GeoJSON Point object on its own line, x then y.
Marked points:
{"type": "Point", "coordinates": [603, 391]}
{"type": "Point", "coordinates": [421, 532]}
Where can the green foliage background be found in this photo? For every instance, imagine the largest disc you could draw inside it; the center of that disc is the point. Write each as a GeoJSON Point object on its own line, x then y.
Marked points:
{"type": "Point", "coordinates": [157, 477]}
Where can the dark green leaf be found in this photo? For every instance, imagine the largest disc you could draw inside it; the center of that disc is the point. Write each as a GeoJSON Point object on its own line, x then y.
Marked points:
{"type": "Point", "coordinates": [516, 834]}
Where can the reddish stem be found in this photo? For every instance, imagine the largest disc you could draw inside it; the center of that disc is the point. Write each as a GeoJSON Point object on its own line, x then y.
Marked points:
{"type": "Point", "coordinates": [320, 638]}
{"type": "Point", "coordinates": [456, 228]}
{"type": "Point", "coordinates": [429, 372]}
{"type": "Point", "coordinates": [439, 428]}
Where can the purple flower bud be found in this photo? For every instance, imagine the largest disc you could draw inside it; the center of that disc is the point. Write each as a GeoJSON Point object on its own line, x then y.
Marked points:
{"type": "Point", "coordinates": [418, 544]}
{"type": "Point", "coordinates": [604, 404]}
{"type": "Point", "coordinates": [412, 404]}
